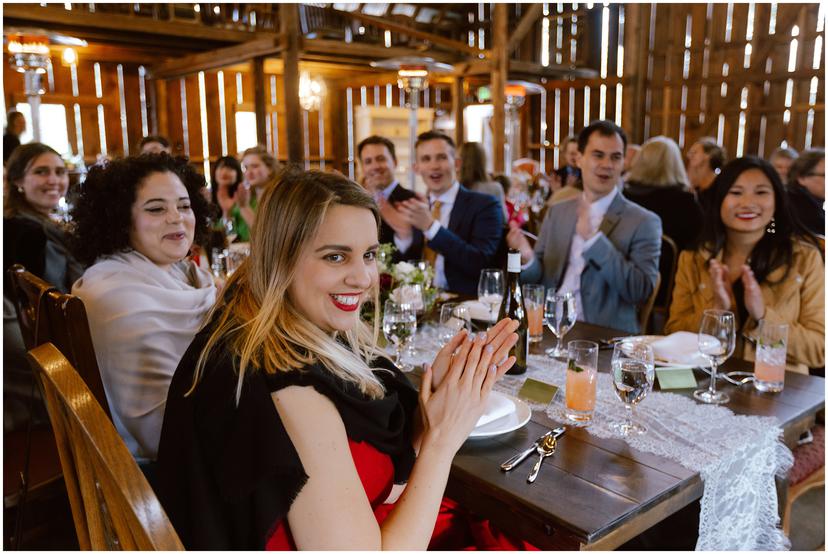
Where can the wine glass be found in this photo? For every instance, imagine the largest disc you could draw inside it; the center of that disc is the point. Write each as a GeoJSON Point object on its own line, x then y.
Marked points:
{"type": "Point", "coordinates": [560, 313]}
{"type": "Point", "coordinates": [229, 229]}
{"type": "Point", "coordinates": [633, 373]}
{"type": "Point", "coordinates": [399, 323]}
{"type": "Point", "coordinates": [717, 339]}
{"type": "Point", "coordinates": [490, 289]}
{"type": "Point", "coordinates": [453, 318]}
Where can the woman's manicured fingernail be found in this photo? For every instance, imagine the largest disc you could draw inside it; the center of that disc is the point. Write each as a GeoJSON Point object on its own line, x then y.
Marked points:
{"type": "Point", "coordinates": [489, 349]}
{"type": "Point", "coordinates": [492, 368]}
{"type": "Point", "coordinates": [482, 337]}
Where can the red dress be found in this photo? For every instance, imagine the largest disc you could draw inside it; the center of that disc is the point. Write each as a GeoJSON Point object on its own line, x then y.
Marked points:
{"type": "Point", "coordinates": [455, 529]}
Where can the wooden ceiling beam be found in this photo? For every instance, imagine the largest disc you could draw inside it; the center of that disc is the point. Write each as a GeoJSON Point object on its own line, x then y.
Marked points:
{"type": "Point", "coordinates": [214, 59]}
{"type": "Point", "coordinates": [524, 26]}
{"type": "Point", "coordinates": [370, 51]}
{"type": "Point", "coordinates": [521, 68]}
{"type": "Point", "coordinates": [35, 14]}
{"type": "Point", "coordinates": [412, 32]}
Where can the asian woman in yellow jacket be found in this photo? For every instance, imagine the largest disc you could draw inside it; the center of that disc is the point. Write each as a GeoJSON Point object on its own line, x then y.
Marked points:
{"type": "Point", "coordinates": [757, 261]}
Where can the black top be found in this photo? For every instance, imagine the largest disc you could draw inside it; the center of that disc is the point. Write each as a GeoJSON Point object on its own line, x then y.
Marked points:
{"type": "Point", "coordinates": [386, 234]}
{"type": "Point", "coordinates": [41, 247]}
{"type": "Point", "coordinates": [10, 142]}
{"type": "Point", "coordinates": [680, 213]}
{"type": "Point", "coordinates": [228, 474]}
{"type": "Point", "coordinates": [807, 208]}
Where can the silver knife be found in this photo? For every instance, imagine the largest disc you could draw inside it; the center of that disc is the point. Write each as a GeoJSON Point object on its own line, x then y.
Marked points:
{"type": "Point", "coordinates": [515, 460]}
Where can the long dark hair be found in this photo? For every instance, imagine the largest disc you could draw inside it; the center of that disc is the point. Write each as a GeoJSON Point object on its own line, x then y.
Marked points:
{"type": "Point", "coordinates": [774, 249]}
{"type": "Point", "coordinates": [472, 164]}
{"type": "Point", "coordinates": [232, 163]}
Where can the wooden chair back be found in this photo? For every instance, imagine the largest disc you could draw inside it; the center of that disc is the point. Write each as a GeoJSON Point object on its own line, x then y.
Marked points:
{"type": "Point", "coordinates": [47, 315]}
{"type": "Point", "coordinates": [113, 506]}
{"type": "Point", "coordinates": [647, 308]}
{"type": "Point", "coordinates": [29, 293]}
{"type": "Point", "coordinates": [667, 265]}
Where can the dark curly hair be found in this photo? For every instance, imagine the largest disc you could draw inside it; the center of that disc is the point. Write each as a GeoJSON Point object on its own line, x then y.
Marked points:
{"type": "Point", "coordinates": [102, 214]}
{"type": "Point", "coordinates": [774, 249]}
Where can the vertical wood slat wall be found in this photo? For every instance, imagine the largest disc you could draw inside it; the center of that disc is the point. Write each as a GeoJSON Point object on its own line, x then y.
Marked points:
{"type": "Point", "coordinates": [683, 108]}
{"type": "Point", "coordinates": [688, 108]}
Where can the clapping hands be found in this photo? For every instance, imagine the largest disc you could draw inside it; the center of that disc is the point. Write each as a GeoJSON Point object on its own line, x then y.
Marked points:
{"type": "Point", "coordinates": [723, 295]}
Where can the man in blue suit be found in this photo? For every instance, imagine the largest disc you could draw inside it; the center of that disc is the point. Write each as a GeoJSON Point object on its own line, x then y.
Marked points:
{"type": "Point", "coordinates": [600, 246]}
{"type": "Point", "coordinates": [454, 228]}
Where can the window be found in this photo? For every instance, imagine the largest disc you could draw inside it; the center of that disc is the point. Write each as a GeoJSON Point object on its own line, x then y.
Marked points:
{"type": "Point", "coordinates": [53, 130]}
{"type": "Point", "coordinates": [245, 130]}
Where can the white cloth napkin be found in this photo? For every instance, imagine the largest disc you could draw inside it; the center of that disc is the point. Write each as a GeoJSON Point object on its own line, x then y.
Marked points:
{"type": "Point", "coordinates": [478, 310]}
{"type": "Point", "coordinates": [497, 407]}
{"type": "Point", "coordinates": [682, 347]}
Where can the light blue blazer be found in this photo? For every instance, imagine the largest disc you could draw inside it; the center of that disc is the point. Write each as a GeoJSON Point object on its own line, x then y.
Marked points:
{"type": "Point", "coordinates": [621, 267]}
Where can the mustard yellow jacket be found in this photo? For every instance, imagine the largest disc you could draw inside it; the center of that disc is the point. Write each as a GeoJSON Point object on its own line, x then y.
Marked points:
{"type": "Point", "coordinates": [798, 300]}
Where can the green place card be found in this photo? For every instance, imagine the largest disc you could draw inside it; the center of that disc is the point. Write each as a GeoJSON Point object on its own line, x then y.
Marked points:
{"type": "Point", "coordinates": [676, 378]}
{"type": "Point", "coordinates": [537, 391]}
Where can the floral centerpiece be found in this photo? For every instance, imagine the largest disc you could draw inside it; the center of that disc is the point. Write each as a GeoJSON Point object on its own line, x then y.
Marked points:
{"type": "Point", "coordinates": [407, 282]}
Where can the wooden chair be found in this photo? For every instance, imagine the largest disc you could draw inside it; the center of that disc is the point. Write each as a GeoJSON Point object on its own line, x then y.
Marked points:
{"type": "Point", "coordinates": [667, 266]}
{"type": "Point", "coordinates": [647, 308]}
{"type": "Point", "coordinates": [47, 315]}
{"type": "Point", "coordinates": [113, 506]}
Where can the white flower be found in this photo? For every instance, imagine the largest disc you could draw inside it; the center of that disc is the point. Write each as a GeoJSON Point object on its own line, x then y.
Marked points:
{"type": "Point", "coordinates": [403, 269]}
{"type": "Point", "coordinates": [408, 294]}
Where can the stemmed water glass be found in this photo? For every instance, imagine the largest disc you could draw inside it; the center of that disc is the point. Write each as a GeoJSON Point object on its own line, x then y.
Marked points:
{"type": "Point", "coordinates": [399, 323]}
{"type": "Point", "coordinates": [560, 313]}
{"type": "Point", "coordinates": [453, 318]}
{"type": "Point", "coordinates": [229, 230]}
{"type": "Point", "coordinates": [633, 373]}
{"type": "Point", "coordinates": [717, 339]}
{"type": "Point", "coordinates": [490, 289]}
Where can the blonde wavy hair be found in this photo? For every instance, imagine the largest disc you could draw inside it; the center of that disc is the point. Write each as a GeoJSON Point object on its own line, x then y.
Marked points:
{"type": "Point", "coordinates": [258, 323]}
{"type": "Point", "coordinates": [659, 163]}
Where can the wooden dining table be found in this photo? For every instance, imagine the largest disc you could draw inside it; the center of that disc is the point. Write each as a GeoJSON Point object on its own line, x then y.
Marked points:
{"type": "Point", "coordinates": [595, 493]}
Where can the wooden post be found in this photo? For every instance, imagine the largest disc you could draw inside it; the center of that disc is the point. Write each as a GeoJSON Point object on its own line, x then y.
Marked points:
{"type": "Point", "coordinates": [336, 121]}
{"type": "Point", "coordinates": [499, 71]}
{"type": "Point", "coordinates": [161, 122]}
{"type": "Point", "coordinates": [289, 17]}
{"type": "Point", "coordinates": [458, 104]}
{"type": "Point", "coordinates": [259, 88]}
{"type": "Point", "coordinates": [635, 57]}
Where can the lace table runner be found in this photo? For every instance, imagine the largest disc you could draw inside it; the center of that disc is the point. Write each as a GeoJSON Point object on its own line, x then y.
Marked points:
{"type": "Point", "coordinates": [737, 456]}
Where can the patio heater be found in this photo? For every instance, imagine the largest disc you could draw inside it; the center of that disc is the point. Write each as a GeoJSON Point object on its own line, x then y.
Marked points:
{"type": "Point", "coordinates": [516, 93]}
{"type": "Point", "coordinates": [30, 56]}
{"type": "Point", "coordinates": [412, 76]}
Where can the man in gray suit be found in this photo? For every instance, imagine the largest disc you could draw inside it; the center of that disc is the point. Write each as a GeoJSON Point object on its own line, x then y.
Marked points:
{"type": "Point", "coordinates": [601, 247]}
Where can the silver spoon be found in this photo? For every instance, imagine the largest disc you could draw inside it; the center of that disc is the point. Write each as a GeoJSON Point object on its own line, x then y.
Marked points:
{"type": "Point", "coordinates": [545, 449]}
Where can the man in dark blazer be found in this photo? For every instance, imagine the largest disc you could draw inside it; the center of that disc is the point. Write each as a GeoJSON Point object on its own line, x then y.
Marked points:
{"type": "Point", "coordinates": [378, 160]}
{"type": "Point", "coordinates": [462, 228]}
{"type": "Point", "coordinates": [601, 247]}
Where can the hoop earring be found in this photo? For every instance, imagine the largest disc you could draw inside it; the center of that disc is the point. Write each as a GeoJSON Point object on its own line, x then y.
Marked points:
{"type": "Point", "coordinates": [771, 228]}
{"type": "Point", "coordinates": [20, 190]}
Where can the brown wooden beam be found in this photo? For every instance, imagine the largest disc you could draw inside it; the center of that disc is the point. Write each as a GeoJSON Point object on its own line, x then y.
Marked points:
{"type": "Point", "coordinates": [458, 104]}
{"type": "Point", "coordinates": [527, 21]}
{"type": "Point", "coordinates": [372, 52]}
{"type": "Point", "coordinates": [259, 88]}
{"type": "Point", "coordinates": [163, 125]}
{"type": "Point", "coordinates": [214, 59]}
{"type": "Point", "coordinates": [636, 36]}
{"type": "Point", "coordinates": [412, 32]}
{"type": "Point", "coordinates": [34, 13]}
{"type": "Point", "coordinates": [499, 71]}
{"type": "Point", "coordinates": [289, 19]}
{"type": "Point", "coordinates": [520, 68]}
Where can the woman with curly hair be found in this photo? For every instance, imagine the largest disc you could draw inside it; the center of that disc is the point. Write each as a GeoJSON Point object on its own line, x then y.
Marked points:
{"type": "Point", "coordinates": [136, 219]}
{"type": "Point", "coordinates": [757, 261]}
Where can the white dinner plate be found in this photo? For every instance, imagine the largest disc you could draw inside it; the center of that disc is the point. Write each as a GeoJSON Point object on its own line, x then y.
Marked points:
{"type": "Point", "coordinates": [694, 360]}
{"type": "Point", "coordinates": [515, 420]}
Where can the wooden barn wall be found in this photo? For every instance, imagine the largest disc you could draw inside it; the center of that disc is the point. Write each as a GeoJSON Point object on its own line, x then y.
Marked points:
{"type": "Point", "coordinates": [689, 65]}
{"type": "Point", "coordinates": [683, 75]}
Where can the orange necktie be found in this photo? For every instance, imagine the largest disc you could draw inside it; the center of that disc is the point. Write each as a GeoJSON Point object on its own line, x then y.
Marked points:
{"type": "Point", "coordinates": [430, 255]}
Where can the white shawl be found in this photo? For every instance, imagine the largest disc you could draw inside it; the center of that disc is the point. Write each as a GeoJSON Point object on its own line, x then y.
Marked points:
{"type": "Point", "coordinates": [142, 319]}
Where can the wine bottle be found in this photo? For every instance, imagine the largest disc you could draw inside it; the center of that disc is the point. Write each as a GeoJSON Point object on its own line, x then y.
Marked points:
{"type": "Point", "coordinates": [512, 307]}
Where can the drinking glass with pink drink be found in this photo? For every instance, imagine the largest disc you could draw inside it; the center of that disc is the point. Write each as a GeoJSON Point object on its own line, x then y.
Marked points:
{"type": "Point", "coordinates": [581, 379]}
{"type": "Point", "coordinates": [771, 350]}
{"type": "Point", "coordinates": [533, 302]}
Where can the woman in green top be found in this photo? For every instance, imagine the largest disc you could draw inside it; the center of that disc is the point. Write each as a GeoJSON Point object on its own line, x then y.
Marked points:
{"type": "Point", "coordinates": [260, 170]}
